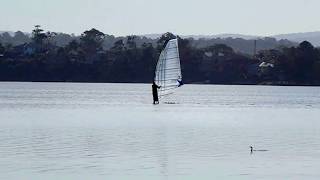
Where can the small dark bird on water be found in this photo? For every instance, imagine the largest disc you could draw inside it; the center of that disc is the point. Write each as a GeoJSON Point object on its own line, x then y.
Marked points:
{"type": "Point", "coordinates": [262, 150]}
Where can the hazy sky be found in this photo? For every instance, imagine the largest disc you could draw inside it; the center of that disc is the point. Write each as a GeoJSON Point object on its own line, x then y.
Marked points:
{"type": "Point", "coordinates": [123, 17]}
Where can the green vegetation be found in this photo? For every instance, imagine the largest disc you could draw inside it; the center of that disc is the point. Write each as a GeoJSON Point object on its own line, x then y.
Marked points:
{"type": "Point", "coordinates": [97, 57]}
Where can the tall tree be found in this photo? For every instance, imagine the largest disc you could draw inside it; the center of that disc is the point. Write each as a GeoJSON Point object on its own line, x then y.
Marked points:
{"type": "Point", "coordinates": [163, 40]}
{"type": "Point", "coordinates": [91, 41]}
{"type": "Point", "coordinates": [38, 35]}
{"type": "Point", "coordinates": [131, 43]}
{"type": "Point", "coordinates": [118, 45]}
{"type": "Point", "coordinates": [306, 56]}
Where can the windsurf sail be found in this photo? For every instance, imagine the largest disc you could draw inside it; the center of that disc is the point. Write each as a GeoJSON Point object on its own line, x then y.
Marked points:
{"type": "Point", "coordinates": [168, 71]}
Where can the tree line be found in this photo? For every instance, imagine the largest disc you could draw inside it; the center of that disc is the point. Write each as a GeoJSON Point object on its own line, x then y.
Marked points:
{"type": "Point", "coordinates": [133, 59]}
{"type": "Point", "coordinates": [240, 45]}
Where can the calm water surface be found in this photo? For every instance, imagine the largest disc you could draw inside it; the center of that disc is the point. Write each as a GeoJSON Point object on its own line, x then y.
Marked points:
{"type": "Point", "coordinates": [112, 131]}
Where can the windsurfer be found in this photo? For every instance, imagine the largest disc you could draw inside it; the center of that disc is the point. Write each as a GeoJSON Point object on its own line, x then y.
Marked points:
{"type": "Point", "coordinates": [155, 88]}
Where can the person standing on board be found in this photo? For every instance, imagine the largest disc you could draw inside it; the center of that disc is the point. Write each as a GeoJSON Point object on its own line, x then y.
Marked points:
{"type": "Point", "coordinates": [155, 88]}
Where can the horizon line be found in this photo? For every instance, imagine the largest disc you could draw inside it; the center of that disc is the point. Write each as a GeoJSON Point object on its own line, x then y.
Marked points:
{"type": "Point", "coordinates": [179, 34]}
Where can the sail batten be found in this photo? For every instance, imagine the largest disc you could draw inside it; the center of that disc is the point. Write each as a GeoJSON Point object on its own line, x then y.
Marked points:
{"type": "Point", "coordinates": [168, 70]}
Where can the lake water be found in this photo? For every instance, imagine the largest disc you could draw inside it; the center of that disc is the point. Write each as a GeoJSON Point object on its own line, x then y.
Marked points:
{"type": "Point", "coordinates": [84, 131]}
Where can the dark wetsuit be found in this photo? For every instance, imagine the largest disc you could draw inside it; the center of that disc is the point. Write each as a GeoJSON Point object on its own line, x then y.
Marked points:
{"type": "Point", "coordinates": [180, 83]}
{"type": "Point", "coordinates": [155, 93]}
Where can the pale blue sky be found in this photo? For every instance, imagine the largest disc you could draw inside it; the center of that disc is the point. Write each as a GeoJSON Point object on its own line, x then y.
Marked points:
{"type": "Point", "coordinates": [123, 17]}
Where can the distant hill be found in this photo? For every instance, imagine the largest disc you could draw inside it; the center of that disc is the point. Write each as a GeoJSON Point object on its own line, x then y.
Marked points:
{"type": "Point", "coordinates": [239, 42]}
{"type": "Point", "coordinates": [13, 32]}
{"type": "Point", "coordinates": [312, 37]}
{"type": "Point", "coordinates": [223, 36]}
{"type": "Point", "coordinates": [10, 32]}
{"type": "Point", "coordinates": [151, 36]}
{"type": "Point", "coordinates": [196, 37]}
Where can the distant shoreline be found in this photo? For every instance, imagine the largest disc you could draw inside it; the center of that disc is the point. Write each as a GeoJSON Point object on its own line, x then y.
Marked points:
{"type": "Point", "coordinates": [267, 83]}
{"type": "Point", "coordinates": [95, 57]}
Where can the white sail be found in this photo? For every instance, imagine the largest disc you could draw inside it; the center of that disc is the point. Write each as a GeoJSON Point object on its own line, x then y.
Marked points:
{"type": "Point", "coordinates": [168, 70]}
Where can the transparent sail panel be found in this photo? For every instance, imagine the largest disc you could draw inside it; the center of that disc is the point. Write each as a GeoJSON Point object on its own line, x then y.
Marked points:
{"type": "Point", "coordinates": [168, 70]}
